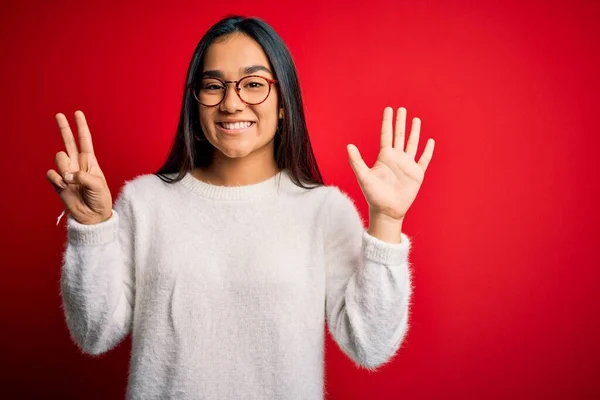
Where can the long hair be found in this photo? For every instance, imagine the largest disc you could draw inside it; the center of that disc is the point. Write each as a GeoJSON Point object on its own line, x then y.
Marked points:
{"type": "Point", "coordinates": [292, 147]}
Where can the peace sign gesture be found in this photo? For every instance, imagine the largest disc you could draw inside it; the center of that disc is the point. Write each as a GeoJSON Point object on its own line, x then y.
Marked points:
{"type": "Point", "coordinates": [392, 184]}
{"type": "Point", "coordinates": [79, 181]}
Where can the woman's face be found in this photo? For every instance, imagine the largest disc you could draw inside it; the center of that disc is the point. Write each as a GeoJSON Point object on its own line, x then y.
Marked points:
{"type": "Point", "coordinates": [231, 58]}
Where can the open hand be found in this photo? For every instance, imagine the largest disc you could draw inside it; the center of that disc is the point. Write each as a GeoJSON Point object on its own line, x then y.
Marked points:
{"type": "Point", "coordinates": [391, 185]}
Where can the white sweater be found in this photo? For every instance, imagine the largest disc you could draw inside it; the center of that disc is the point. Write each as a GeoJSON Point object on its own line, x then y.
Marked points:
{"type": "Point", "coordinates": [226, 290]}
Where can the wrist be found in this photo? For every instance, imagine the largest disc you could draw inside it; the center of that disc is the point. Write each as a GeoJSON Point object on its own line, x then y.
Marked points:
{"type": "Point", "coordinates": [98, 221]}
{"type": "Point", "coordinates": [109, 216]}
{"type": "Point", "coordinates": [384, 218]}
{"type": "Point", "coordinates": [385, 228]}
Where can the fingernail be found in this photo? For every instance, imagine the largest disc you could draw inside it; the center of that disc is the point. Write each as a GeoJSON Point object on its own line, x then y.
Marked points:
{"type": "Point", "coordinates": [69, 177]}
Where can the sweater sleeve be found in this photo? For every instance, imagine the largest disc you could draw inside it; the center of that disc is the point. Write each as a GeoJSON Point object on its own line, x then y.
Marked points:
{"type": "Point", "coordinates": [368, 286]}
{"type": "Point", "coordinates": [97, 279]}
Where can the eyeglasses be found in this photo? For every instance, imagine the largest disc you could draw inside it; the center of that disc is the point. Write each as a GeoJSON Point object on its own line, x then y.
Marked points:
{"type": "Point", "coordinates": [251, 89]}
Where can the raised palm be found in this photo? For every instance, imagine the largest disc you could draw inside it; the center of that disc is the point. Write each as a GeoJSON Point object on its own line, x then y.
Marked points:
{"type": "Point", "coordinates": [391, 185]}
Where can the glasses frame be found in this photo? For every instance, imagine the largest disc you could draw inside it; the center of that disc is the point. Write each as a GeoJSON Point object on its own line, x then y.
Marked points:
{"type": "Point", "coordinates": [192, 86]}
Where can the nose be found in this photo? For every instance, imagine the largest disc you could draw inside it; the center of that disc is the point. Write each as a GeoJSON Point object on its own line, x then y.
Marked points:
{"type": "Point", "coordinates": [232, 101]}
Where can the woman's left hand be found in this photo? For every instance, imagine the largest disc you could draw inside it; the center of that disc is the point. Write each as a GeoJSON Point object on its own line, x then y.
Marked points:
{"type": "Point", "coordinates": [391, 185]}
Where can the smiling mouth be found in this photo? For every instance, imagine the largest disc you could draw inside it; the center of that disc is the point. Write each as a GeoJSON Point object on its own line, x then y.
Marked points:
{"type": "Point", "coordinates": [237, 127]}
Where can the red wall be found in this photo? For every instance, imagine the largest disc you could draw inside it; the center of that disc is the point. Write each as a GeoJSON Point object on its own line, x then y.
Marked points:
{"type": "Point", "coordinates": [505, 228]}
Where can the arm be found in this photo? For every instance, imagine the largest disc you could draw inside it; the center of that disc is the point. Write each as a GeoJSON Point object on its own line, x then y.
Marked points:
{"type": "Point", "coordinates": [368, 286]}
{"type": "Point", "coordinates": [97, 280]}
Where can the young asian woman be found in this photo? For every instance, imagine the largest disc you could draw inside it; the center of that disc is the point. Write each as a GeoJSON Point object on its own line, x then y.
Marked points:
{"type": "Point", "coordinates": [226, 264]}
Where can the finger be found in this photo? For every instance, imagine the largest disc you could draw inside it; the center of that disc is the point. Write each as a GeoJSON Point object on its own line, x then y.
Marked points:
{"type": "Point", "coordinates": [88, 162]}
{"type": "Point", "coordinates": [413, 139]}
{"type": "Point", "coordinates": [356, 162]}
{"type": "Point", "coordinates": [65, 167]}
{"type": "Point", "coordinates": [86, 180]}
{"type": "Point", "coordinates": [400, 129]}
{"type": "Point", "coordinates": [56, 180]}
{"type": "Point", "coordinates": [63, 162]}
{"type": "Point", "coordinates": [84, 134]}
{"type": "Point", "coordinates": [427, 155]}
{"type": "Point", "coordinates": [67, 136]}
{"type": "Point", "coordinates": [386, 128]}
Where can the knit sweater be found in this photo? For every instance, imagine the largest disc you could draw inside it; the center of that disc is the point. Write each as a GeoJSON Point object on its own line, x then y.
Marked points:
{"type": "Point", "coordinates": [226, 290]}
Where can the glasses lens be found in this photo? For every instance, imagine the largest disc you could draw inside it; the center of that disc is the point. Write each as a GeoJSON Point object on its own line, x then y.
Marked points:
{"type": "Point", "coordinates": [210, 91]}
{"type": "Point", "coordinates": [254, 89]}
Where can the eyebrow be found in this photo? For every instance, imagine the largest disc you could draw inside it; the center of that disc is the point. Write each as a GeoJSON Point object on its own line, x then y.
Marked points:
{"type": "Point", "coordinates": [248, 70]}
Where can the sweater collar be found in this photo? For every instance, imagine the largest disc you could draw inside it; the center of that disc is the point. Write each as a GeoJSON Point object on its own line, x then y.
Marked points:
{"type": "Point", "coordinates": [269, 187]}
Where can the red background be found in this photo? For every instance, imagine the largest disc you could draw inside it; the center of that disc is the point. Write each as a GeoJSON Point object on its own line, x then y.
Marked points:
{"type": "Point", "coordinates": [505, 228]}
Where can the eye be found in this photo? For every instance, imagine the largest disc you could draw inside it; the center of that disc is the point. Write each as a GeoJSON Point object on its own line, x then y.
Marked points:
{"type": "Point", "coordinates": [254, 83]}
{"type": "Point", "coordinates": [212, 86]}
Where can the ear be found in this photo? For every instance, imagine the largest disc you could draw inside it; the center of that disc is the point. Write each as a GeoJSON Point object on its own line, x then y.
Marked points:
{"type": "Point", "coordinates": [281, 113]}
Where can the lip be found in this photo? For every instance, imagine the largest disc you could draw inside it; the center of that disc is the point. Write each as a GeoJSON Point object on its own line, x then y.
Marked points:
{"type": "Point", "coordinates": [234, 130]}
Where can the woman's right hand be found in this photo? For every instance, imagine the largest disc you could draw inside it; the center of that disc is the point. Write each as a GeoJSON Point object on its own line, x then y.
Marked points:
{"type": "Point", "coordinates": [79, 181]}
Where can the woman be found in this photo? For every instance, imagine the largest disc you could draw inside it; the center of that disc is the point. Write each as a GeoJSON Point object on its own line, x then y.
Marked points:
{"type": "Point", "coordinates": [226, 263]}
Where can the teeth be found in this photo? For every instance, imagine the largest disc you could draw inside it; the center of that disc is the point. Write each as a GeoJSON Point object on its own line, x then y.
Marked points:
{"type": "Point", "coordinates": [237, 125]}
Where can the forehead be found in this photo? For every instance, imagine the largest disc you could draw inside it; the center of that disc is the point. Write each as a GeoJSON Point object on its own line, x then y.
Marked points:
{"type": "Point", "coordinates": [233, 53]}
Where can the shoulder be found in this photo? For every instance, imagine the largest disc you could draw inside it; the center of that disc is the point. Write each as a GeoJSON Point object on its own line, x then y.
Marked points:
{"type": "Point", "coordinates": [324, 199]}
{"type": "Point", "coordinates": [335, 197]}
{"type": "Point", "coordinates": [336, 203]}
{"type": "Point", "coordinates": [321, 196]}
{"type": "Point", "coordinates": [339, 215]}
{"type": "Point", "coordinates": [144, 181]}
{"type": "Point", "coordinates": [143, 187]}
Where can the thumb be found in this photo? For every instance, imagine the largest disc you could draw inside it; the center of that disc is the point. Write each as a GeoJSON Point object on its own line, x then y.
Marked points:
{"type": "Point", "coordinates": [356, 162]}
{"type": "Point", "coordinates": [84, 179]}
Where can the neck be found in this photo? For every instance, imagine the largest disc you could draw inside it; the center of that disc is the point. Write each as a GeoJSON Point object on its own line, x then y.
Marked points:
{"type": "Point", "coordinates": [244, 171]}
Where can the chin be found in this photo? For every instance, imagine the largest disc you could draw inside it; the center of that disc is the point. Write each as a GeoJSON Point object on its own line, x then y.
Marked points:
{"type": "Point", "coordinates": [241, 148]}
{"type": "Point", "coordinates": [235, 152]}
